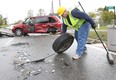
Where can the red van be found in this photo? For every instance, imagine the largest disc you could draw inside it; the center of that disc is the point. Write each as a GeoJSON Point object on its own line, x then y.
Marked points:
{"type": "Point", "coordinates": [39, 24]}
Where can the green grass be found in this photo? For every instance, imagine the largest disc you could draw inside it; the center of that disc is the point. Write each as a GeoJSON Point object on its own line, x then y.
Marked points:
{"type": "Point", "coordinates": [2, 26]}
{"type": "Point", "coordinates": [102, 28]}
{"type": "Point", "coordinates": [103, 35]}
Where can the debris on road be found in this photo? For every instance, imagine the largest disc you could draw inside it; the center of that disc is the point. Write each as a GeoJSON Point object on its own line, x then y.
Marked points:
{"type": "Point", "coordinates": [22, 64]}
{"type": "Point", "coordinates": [27, 61]}
{"type": "Point", "coordinates": [39, 60]}
{"type": "Point", "coordinates": [66, 63]}
{"type": "Point", "coordinates": [21, 59]}
{"type": "Point", "coordinates": [19, 44]}
{"type": "Point", "coordinates": [50, 60]}
{"type": "Point", "coordinates": [34, 73]}
{"type": "Point", "coordinates": [53, 71]}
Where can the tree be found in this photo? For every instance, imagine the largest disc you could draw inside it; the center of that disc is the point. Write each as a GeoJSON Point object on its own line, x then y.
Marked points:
{"type": "Point", "coordinates": [107, 17]}
{"type": "Point", "coordinates": [92, 14]}
{"type": "Point", "coordinates": [0, 20]}
{"type": "Point", "coordinates": [30, 13]}
{"type": "Point", "coordinates": [100, 9]}
{"type": "Point", "coordinates": [41, 12]}
{"type": "Point", "coordinates": [4, 21]}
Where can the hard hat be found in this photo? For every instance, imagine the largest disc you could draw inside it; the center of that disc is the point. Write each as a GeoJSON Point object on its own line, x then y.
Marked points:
{"type": "Point", "coordinates": [61, 10]}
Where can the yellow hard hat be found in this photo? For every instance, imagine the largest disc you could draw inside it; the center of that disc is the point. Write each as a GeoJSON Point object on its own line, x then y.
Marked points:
{"type": "Point", "coordinates": [61, 10]}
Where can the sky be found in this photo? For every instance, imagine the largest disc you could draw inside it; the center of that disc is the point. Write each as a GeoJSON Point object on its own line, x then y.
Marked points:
{"type": "Point", "coordinates": [16, 10]}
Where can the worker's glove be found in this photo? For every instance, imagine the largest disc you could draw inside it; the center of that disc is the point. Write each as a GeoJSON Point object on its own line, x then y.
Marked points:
{"type": "Point", "coordinates": [93, 25]}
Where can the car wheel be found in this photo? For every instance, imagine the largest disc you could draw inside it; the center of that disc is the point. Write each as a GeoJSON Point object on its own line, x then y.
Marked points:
{"type": "Point", "coordinates": [62, 43]}
{"type": "Point", "coordinates": [18, 32]}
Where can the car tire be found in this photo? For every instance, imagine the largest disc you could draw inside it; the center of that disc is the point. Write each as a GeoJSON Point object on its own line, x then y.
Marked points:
{"type": "Point", "coordinates": [62, 43]}
{"type": "Point", "coordinates": [18, 32]}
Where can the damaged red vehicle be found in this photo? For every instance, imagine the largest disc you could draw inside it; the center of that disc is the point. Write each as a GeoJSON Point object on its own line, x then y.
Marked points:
{"type": "Point", "coordinates": [39, 24]}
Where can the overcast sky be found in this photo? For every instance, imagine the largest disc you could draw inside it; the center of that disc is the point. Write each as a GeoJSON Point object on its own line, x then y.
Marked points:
{"type": "Point", "coordinates": [17, 9]}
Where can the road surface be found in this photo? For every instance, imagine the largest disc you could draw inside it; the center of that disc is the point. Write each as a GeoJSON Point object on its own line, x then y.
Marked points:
{"type": "Point", "coordinates": [17, 52]}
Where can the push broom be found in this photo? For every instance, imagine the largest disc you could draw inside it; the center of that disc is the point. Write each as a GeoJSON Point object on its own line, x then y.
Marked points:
{"type": "Point", "coordinates": [109, 56]}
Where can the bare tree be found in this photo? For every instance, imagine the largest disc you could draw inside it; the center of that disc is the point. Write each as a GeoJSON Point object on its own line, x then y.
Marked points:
{"type": "Point", "coordinates": [41, 12]}
{"type": "Point", "coordinates": [30, 13]}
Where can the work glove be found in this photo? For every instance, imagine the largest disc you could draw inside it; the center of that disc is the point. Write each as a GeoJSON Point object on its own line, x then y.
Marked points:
{"type": "Point", "coordinates": [93, 25]}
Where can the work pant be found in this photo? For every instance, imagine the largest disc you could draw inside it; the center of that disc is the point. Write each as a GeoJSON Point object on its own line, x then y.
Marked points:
{"type": "Point", "coordinates": [81, 37]}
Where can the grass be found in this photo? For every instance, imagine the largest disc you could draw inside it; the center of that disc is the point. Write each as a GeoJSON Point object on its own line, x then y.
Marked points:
{"type": "Point", "coordinates": [103, 35]}
{"type": "Point", "coordinates": [102, 28]}
{"type": "Point", "coordinates": [2, 26]}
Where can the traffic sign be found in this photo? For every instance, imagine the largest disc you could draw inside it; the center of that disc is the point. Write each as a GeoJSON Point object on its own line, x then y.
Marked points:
{"type": "Point", "coordinates": [109, 7]}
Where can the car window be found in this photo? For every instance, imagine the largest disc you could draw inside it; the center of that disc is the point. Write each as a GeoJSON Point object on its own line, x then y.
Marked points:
{"type": "Point", "coordinates": [41, 20]}
{"type": "Point", "coordinates": [51, 20]}
{"type": "Point", "coordinates": [29, 20]}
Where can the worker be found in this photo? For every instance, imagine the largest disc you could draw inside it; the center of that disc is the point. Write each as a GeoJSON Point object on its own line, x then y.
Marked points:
{"type": "Point", "coordinates": [31, 24]}
{"type": "Point", "coordinates": [81, 22]}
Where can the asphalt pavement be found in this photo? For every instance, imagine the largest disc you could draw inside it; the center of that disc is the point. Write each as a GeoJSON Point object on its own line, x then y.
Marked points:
{"type": "Point", "coordinates": [16, 54]}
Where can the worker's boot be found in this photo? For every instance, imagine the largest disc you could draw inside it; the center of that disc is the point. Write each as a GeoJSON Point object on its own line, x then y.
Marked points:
{"type": "Point", "coordinates": [76, 57]}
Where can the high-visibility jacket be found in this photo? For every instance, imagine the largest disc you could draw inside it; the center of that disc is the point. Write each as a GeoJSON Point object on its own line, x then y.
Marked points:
{"type": "Point", "coordinates": [76, 23]}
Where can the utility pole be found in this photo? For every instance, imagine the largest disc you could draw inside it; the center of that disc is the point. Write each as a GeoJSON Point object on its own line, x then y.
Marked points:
{"type": "Point", "coordinates": [59, 3]}
{"type": "Point", "coordinates": [52, 7]}
{"type": "Point", "coordinates": [114, 17]}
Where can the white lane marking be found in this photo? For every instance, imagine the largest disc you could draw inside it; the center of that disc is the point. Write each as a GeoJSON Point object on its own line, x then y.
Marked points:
{"type": "Point", "coordinates": [101, 49]}
{"type": "Point", "coordinates": [9, 41]}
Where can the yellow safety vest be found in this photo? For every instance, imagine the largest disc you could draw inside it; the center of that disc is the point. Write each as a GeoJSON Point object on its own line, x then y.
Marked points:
{"type": "Point", "coordinates": [76, 23]}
